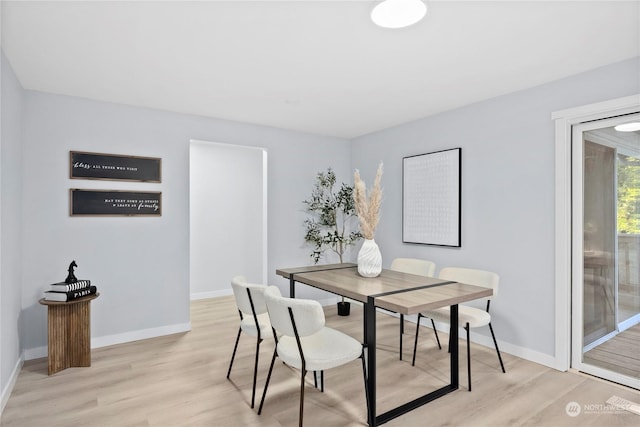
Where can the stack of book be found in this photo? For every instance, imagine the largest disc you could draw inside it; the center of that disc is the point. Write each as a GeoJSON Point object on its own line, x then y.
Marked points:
{"type": "Point", "coordinates": [69, 291]}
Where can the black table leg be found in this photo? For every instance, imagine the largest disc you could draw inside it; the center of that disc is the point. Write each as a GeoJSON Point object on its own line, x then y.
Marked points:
{"type": "Point", "coordinates": [292, 287]}
{"type": "Point", "coordinates": [370, 343]}
{"type": "Point", "coordinates": [401, 332]}
{"type": "Point", "coordinates": [436, 394]}
{"type": "Point", "coordinates": [453, 321]}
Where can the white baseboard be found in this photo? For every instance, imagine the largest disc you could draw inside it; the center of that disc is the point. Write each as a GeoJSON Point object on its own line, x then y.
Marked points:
{"type": "Point", "coordinates": [333, 300]}
{"type": "Point", "coordinates": [505, 347]}
{"type": "Point", "coordinates": [215, 294]}
{"type": "Point", "coordinates": [108, 340]}
{"type": "Point", "coordinates": [141, 334]}
{"type": "Point", "coordinates": [35, 353]}
{"type": "Point", "coordinates": [515, 350]}
{"type": "Point", "coordinates": [6, 392]}
{"type": "Point", "coordinates": [211, 294]}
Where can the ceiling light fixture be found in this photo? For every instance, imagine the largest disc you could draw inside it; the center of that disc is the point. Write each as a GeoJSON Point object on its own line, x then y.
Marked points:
{"type": "Point", "coordinates": [628, 127]}
{"type": "Point", "coordinates": [398, 13]}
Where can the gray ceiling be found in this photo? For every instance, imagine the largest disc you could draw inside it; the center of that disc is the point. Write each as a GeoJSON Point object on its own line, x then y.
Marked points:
{"type": "Point", "coordinates": [312, 66]}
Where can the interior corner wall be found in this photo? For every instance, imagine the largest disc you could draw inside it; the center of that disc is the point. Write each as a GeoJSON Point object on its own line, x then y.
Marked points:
{"type": "Point", "coordinates": [141, 264]}
{"type": "Point", "coordinates": [10, 227]}
{"type": "Point", "coordinates": [507, 194]}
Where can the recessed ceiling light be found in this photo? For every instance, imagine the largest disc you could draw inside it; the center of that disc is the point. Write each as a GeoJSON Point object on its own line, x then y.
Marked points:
{"type": "Point", "coordinates": [628, 127]}
{"type": "Point", "coordinates": [398, 13]}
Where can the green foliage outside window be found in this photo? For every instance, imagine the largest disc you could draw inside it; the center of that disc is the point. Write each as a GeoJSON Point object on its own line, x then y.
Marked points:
{"type": "Point", "coordinates": [628, 195]}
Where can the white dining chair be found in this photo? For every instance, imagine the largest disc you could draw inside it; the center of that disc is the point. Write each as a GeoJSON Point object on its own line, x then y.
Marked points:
{"type": "Point", "coordinates": [254, 320]}
{"type": "Point", "coordinates": [304, 342]}
{"type": "Point", "coordinates": [421, 267]}
{"type": "Point", "coordinates": [468, 317]}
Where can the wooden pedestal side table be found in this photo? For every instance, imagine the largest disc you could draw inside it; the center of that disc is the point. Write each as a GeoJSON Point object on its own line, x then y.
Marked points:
{"type": "Point", "coordinates": [69, 332]}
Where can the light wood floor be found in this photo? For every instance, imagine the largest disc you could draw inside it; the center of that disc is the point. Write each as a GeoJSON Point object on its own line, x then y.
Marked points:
{"type": "Point", "coordinates": [619, 354]}
{"type": "Point", "coordinates": [179, 380]}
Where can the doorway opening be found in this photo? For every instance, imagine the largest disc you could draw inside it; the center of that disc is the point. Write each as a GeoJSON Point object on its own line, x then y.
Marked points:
{"type": "Point", "coordinates": [228, 216]}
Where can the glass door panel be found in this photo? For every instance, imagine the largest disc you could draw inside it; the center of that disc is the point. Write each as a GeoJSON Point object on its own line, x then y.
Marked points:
{"type": "Point", "coordinates": [628, 237]}
{"type": "Point", "coordinates": [599, 241]}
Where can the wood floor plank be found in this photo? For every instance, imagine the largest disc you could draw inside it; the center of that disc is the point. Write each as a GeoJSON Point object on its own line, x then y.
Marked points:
{"type": "Point", "coordinates": [180, 380]}
{"type": "Point", "coordinates": [619, 354]}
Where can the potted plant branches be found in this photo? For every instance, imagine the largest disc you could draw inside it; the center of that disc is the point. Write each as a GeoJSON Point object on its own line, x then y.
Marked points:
{"type": "Point", "coordinates": [329, 227]}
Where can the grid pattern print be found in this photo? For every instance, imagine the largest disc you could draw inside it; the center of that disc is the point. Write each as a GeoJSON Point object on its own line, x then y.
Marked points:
{"type": "Point", "coordinates": [431, 198]}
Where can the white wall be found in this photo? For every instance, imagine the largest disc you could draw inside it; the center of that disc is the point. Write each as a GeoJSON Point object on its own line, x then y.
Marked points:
{"type": "Point", "coordinates": [141, 265]}
{"type": "Point", "coordinates": [507, 194]}
{"type": "Point", "coordinates": [228, 216]}
{"type": "Point", "coordinates": [10, 229]}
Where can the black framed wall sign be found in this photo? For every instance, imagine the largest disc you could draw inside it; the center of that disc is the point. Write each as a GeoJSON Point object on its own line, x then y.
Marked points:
{"type": "Point", "coordinates": [85, 165]}
{"type": "Point", "coordinates": [115, 203]}
{"type": "Point", "coordinates": [431, 198]}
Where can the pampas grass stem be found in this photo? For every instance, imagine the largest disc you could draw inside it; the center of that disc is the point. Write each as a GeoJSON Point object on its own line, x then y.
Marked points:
{"type": "Point", "coordinates": [368, 208]}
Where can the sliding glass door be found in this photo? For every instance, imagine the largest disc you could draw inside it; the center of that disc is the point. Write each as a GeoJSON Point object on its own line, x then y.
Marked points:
{"type": "Point", "coordinates": [606, 250]}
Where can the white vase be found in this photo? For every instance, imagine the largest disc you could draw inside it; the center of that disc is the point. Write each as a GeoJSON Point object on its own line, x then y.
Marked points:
{"type": "Point", "coordinates": [369, 259]}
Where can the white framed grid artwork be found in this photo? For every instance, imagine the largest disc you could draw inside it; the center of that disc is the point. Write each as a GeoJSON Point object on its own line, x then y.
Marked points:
{"type": "Point", "coordinates": [431, 198]}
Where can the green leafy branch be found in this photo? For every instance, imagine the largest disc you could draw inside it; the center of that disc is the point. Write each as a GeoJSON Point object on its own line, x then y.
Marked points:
{"type": "Point", "coordinates": [332, 212]}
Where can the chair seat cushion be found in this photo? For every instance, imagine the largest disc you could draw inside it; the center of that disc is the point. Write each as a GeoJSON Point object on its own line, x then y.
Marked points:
{"type": "Point", "coordinates": [248, 325]}
{"type": "Point", "coordinates": [325, 349]}
{"type": "Point", "coordinates": [475, 317]}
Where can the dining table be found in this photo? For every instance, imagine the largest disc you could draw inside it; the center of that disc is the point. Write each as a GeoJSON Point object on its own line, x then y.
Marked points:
{"type": "Point", "coordinates": [402, 293]}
